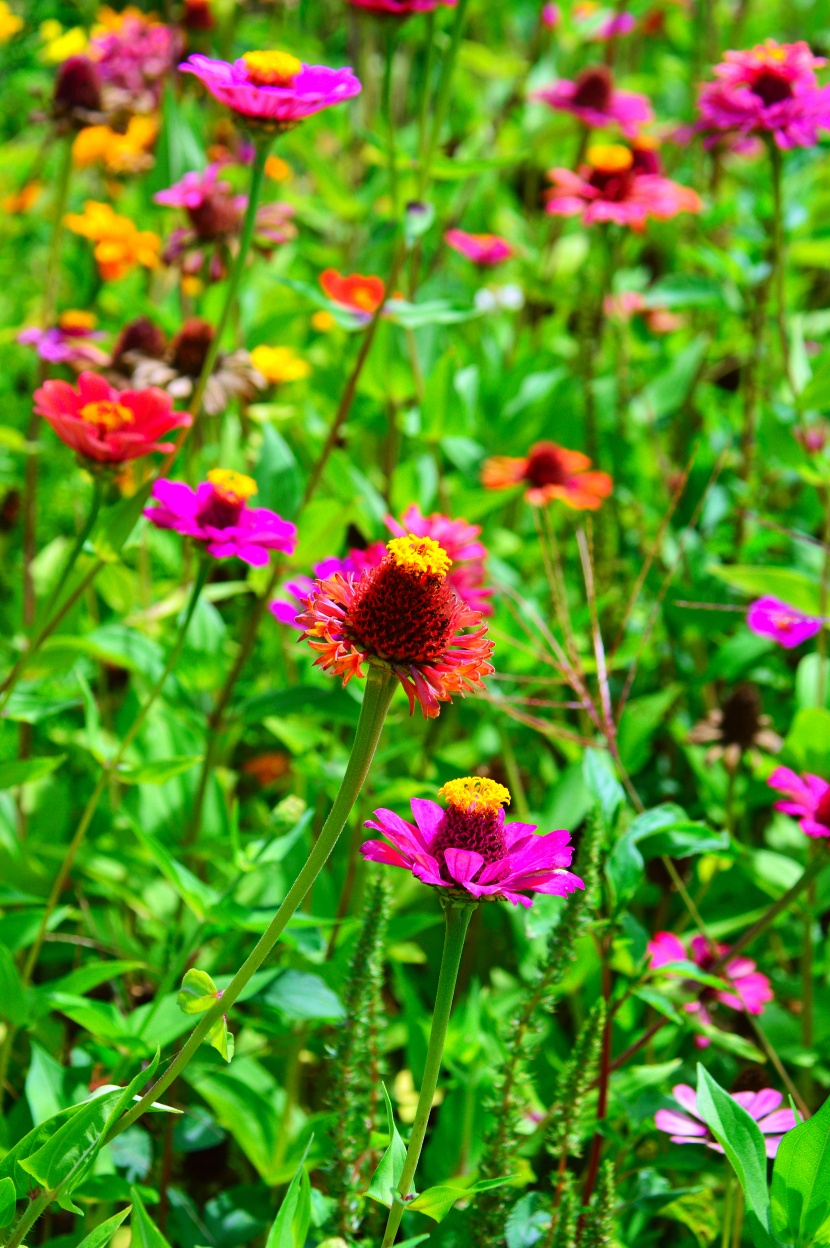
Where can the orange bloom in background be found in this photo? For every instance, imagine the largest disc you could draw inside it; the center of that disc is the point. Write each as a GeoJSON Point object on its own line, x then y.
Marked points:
{"type": "Point", "coordinates": [359, 294]}
{"type": "Point", "coordinates": [550, 472]}
{"type": "Point", "coordinates": [278, 169]}
{"type": "Point", "coordinates": [119, 153]}
{"type": "Point", "coordinates": [21, 201]}
{"type": "Point", "coordinates": [119, 244]}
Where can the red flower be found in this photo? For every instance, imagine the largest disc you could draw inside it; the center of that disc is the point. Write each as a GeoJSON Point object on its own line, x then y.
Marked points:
{"type": "Point", "coordinates": [107, 425]}
{"type": "Point", "coordinates": [362, 295]}
{"type": "Point", "coordinates": [550, 472]}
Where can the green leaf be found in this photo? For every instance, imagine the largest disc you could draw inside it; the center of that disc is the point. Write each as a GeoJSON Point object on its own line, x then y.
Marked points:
{"type": "Point", "coordinates": [292, 1222]}
{"type": "Point", "coordinates": [145, 1233]}
{"type": "Point", "coordinates": [115, 524]}
{"type": "Point", "coordinates": [159, 770]}
{"type": "Point", "coordinates": [301, 995]}
{"type": "Point", "coordinates": [387, 1176]}
{"type": "Point", "coordinates": [105, 1231]}
{"type": "Point", "coordinates": [807, 744]}
{"type": "Point", "coordinates": [801, 1182]}
{"type": "Point", "coordinates": [12, 997]}
{"type": "Point", "coordinates": [197, 993]}
{"type": "Point", "coordinates": [8, 1200]}
{"type": "Point", "coordinates": [220, 1038]}
{"type": "Point", "coordinates": [11, 1164]}
{"type": "Point", "coordinates": [816, 393]}
{"type": "Point", "coordinates": [602, 784]}
{"type": "Point", "coordinates": [73, 1147]}
{"type": "Point", "coordinates": [436, 1202]}
{"type": "Point", "coordinates": [796, 588]}
{"type": "Point", "coordinates": [640, 721]}
{"type": "Point", "coordinates": [24, 770]}
{"type": "Point", "coordinates": [44, 1086]}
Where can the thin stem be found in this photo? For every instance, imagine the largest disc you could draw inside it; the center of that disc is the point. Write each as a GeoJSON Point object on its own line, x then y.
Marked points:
{"type": "Point", "coordinates": [378, 695]}
{"type": "Point", "coordinates": [27, 1220]}
{"type": "Point", "coordinates": [737, 1217]}
{"type": "Point", "coordinates": [603, 1078]}
{"type": "Point", "coordinates": [443, 95]}
{"type": "Point", "coordinates": [777, 249]}
{"type": "Point", "coordinates": [728, 1197]}
{"type": "Point", "coordinates": [457, 915]}
{"type": "Point", "coordinates": [97, 498]}
{"type": "Point", "coordinates": [388, 115]}
{"type": "Point", "coordinates": [423, 106]}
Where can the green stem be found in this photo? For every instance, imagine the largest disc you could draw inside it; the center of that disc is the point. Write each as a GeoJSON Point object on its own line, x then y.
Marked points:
{"type": "Point", "coordinates": [378, 695]}
{"type": "Point", "coordinates": [777, 248]}
{"type": "Point", "coordinates": [97, 498]}
{"type": "Point", "coordinates": [235, 279]}
{"type": "Point", "coordinates": [391, 145]}
{"type": "Point", "coordinates": [728, 1197]}
{"type": "Point", "coordinates": [423, 106]}
{"type": "Point", "coordinates": [27, 1220]}
{"type": "Point", "coordinates": [457, 916]}
{"type": "Point", "coordinates": [443, 95]}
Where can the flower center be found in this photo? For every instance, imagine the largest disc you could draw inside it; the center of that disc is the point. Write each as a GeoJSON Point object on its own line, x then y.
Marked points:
{"type": "Point", "coordinates": [822, 814]}
{"type": "Point", "coordinates": [475, 792]}
{"type": "Point", "coordinates": [75, 322]}
{"type": "Point", "coordinates": [230, 492]}
{"type": "Point", "coordinates": [404, 609]}
{"type": "Point", "coordinates": [771, 87]}
{"type": "Point", "coordinates": [593, 89]}
{"type": "Point", "coordinates": [190, 347]}
{"type": "Point", "coordinates": [216, 216]}
{"type": "Point", "coordinates": [544, 466]}
{"type": "Point", "coordinates": [782, 622]}
{"type": "Point", "coordinates": [107, 415]}
{"type": "Point", "coordinates": [471, 820]}
{"type": "Point", "coordinates": [419, 554]}
{"type": "Point", "coordinates": [611, 169]}
{"type": "Point", "coordinates": [272, 69]}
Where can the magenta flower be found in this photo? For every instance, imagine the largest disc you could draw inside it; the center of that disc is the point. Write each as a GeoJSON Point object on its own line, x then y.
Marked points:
{"type": "Point", "coordinates": [400, 8]}
{"type": "Point", "coordinates": [196, 189]}
{"type": "Point", "coordinates": [616, 26]}
{"type": "Point", "coordinates": [551, 16]}
{"type": "Point", "coordinates": [301, 588]}
{"type": "Point", "coordinates": [770, 89]}
{"type": "Point", "coordinates": [273, 88]}
{"type": "Point", "coordinates": [593, 98]}
{"type": "Point", "coordinates": [133, 58]}
{"type": "Point", "coordinates": [770, 617]}
{"type": "Point", "coordinates": [746, 988]}
{"type": "Point", "coordinates": [71, 341]}
{"type": "Point", "coordinates": [469, 848]}
{"type": "Point", "coordinates": [762, 1106]}
{"type": "Point", "coordinates": [216, 514]}
{"type": "Point", "coordinates": [485, 250]}
{"type": "Point", "coordinates": [613, 186]}
{"type": "Point", "coordinates": [808, 800]}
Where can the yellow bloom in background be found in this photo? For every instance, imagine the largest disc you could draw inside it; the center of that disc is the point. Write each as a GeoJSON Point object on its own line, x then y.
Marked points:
{"type": "Point", "coordinates": [107, 21]}
{"type": "Point", "coordinates": [10, 23]}
{"type": "Point", "coordinates": [278, 169]}
{"type": "Point", "coordinates": [119, 245]}
{"type": "Point", "coordinates": [21, 201]}
{"type": "Point", "coordinates": [279, 364]}
{"type": "Point", "coordinates": [60, 44]}
{"type": "Point", "coordinates": [323, 322]}
{"type": "Point", "coordinates": [119, 153]}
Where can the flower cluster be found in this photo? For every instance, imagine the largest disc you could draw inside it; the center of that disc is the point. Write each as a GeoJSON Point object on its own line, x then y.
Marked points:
{"type": "Point", "coordinates": [746, 988]}
{"type": "Point", "coordinates": [119, 245]}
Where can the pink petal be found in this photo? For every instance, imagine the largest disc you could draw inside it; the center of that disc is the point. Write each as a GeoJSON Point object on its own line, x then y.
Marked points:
{"type": "Point", "coordinates": [462, 865]}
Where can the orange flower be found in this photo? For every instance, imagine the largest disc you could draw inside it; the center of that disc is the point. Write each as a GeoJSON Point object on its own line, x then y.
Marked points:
{"type": "Point", "coordinates": [550, 472]}
{"type": "Point", "coordinates": [21, 201]}
{"type": "Point", "coordinates": [359, 294]}
{"type": "Point", "coordinates": [119, 153]}
{"type": "Point", "coordinates": [119, 245]}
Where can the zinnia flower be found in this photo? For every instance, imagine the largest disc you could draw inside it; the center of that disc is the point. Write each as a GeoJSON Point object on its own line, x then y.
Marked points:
{"type": "Point", "coordinates": [468, 575]}
{"type": "Point", "coordinates": [593, 98]}
{"type": "Point", "coordinates": [277, 365]}
{"type": "Point", "coordinates": [404, 615]}
{"type": "Point", "coordinates": [134, 54]}
{"type": "Point", "coordinates": [770, 617]}
{"type": "Point", "coordinates": [71, 341]}
{"type": "Point", "coordinates": [747, 988]}
{"type": "Point", "coordinates": [770, 89]}
{"type": "Point", "coordinates": [550, 472]}
{"type": "Point", "coordinates": [359, 294]}
{"type": "Point", "coordinates": [735, 728]}
{"type": "Point", "coordinates": [119, 245]}
{"type": "Point", "coordinates": [613, 186]}
{"type": "Point", "coordinates": [762, 1106]}
{"type": "Point", "coordinates": [629, 303]}
{"type": "Point", "coordinates": [400, 8]}
{"type": "Point", "coordinates": [217, 515]}
{"type": "Point", "coordinates": [808, 799]}
{"type": "Point", "coordinates": [469, 849]}
{"type": "Point", "coordinates": [106, 425]}
{"type": "Point", "coordinates": [10, 23]}
{"type": "Point", "coordinates": [485, 250]}
{"type": "Point", "coordinates": [273, 89]}
{"type": "Point", "coordinates": [551, 16]}
{"type": "Point", "coordinates": [118, 153]}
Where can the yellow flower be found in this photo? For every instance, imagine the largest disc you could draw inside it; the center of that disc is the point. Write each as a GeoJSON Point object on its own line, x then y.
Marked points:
{"type": "Point", "coordinates": [119, 245]}
{"type": "Point", "coordinates": [323, 321]}
{"type": "Point", "coordinates": [21, 201]}
{"type": "Point", "coordinates": [110, 22]}
{"type": "Point", "coordinates": [278, 169]}
{"type": "Point", "coordinates": [119, 153]}
{"type": "Point", "coordinates": [10, 23]}
{"type": "Point", "coordinates": [279, 364]}
{"type": "Point", "coordinates": [60, 44]}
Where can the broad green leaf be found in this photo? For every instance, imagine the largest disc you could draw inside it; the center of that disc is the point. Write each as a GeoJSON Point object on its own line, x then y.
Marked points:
{"type": "Point", "coordinates": [248, 1102]}
{"type": "Point", "coordinates": [291, 1224]}
{"type": "Point", "coordinates": [145, 1232]}
{"type": "Point", "coordinates": [221, 1038]}
{"type": "Point", "coordinates": [197, 993]}
{"type": "Point", "coordinates": [697, 1212]}
{"type": "Point", "coordinates": [807, 744]}
{"type": "Point", "coordinates": [11, 1164]}
{"type": "Point", "coordinates": [436, 1202]}
{"type": "Point", "coordinates": [640, 722]}
{"type": "Point", "coordinates": [103, 1233]}
{"type": "Point", "coordinates": [12, 997]}
{"type": "Point", "coordinates": [801, 1182]}
{"type": "Point", "coordinates": [73, 1147]}
{"type": "Point", "coordinates": [796, 588]}
{"type": "Point", "coordinates": [301, 995]}
{"type": "Point", "coordinates": [602, 784]}
{"type": "Point", "coordinates": [8, 1200]}
{"type": "Point", "coordinates": [387, 1176]}
{"type": "Point", "coordinates": [44, 1086]}
{"type": "Point", "coordinates": [158, 771]}
{"type": "Point", "coordinates": [24, 770]}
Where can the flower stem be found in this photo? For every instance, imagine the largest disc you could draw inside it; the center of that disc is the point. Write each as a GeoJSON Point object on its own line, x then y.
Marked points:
{"type": "Point", "coordinates": [457, 915]}
{"type": "Point", "coordinates": [777, 252]}
{"type": "Point", "coordinates": [97, 498]}
{"type": "Point", "coordinates": [378, 695]}
{"type": "Point", "coordinates": [443, 95]}
{"type": "Point", "coordinates": [423, 105]}
{"type": "Point", "coordinates": [27, 1219]}
{"type": "Point", "coordinates": [388, 111]}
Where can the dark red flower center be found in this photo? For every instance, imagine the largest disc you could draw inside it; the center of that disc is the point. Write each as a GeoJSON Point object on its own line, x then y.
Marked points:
{"type": "Point", "coordinates": [741, 717]}
{"type": "Point", "coordinates": [78, 85]}
{"type": "Point", "coordinates": [229, 493]}
{"type": "Point", "coordinates": [771, 88]}
{"type": "Point", "coordinates": [402, 614]}
{"type": "Point", "coordinates": [545, 466]}
{"type": "Point", "coordinates": [216, 216]}
{"type": "Point", "coordinates": [190, 347]}
{"type": "Point", "coordinates": [593, 89]}
{"type": "Point", "coordinates": [477, 828]}
{"type": "Point", "coordinates": [822, 814]}
{"type": "Point", "coordinates": [141, 336]}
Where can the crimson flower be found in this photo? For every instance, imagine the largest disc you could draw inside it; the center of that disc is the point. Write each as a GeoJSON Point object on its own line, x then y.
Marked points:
{"type": "Point", "coordinates": [550, 472]}
{"type": "Point", "coordinates": [400, 8]}
{"type": "Point", "coordinates": [359, 294]}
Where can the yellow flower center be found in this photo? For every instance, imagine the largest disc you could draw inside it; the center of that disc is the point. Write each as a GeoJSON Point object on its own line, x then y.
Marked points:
{"type": "Point", "coordinates": [106, 414]}
{"type": "Point", "coordinates": [419, 554]}
{"type": "Point", "coordinates": [609, 157]}
{"type": "Point", "coordinates": [770, 52]}
{"type": "Point", "coordinates": [232, 487]}
{"type": "Point", "coordinates": [272, 69]}
{"type": "Point", "coordinates": [75, 322]}
{"type": "Point", "coordinates": [475, 791]}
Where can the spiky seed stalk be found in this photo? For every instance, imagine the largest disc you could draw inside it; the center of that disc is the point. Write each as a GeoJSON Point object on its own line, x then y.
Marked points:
{"type": "Point", "coordinates": [573, 1086]}
{"type": "Point", "coordinates": [599, 1220]}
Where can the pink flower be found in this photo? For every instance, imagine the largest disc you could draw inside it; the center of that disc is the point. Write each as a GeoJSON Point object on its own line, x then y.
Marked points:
{"type": "Point", "coordinates": [400, 8]}
{"type": "Point", "coordinates": [551, 16]}
{"type": "Point", "coordinates": [808, 799]}
{"type": "Point", "coordinates": [469, 847]}
{"type": "Point", "coordinates": [483, 249]}
{"type": "Point", "coordinates": [106, 425]}
{"type": "Point", "coordinates": [196, 189]}
{"type": "Point", "coordinates": [133, 58]}
{"type": "Point", "coordinates": [770, 617]}
{"type": "Point", "coordinates": [611, 187]}
{"type": "Point", "coordinates": [629, 303]}
{"type": "Point", "coordinates": [217, 514]}
{"type": "Point", "coordinates": [770, 89]}
{"type": "Point", "coordinates": [747, 989]}
{"type": "Point", "coordinates": [616, 26]}
{"type": "Point", "coordinates": [762, 1106]}
{"type": "Point", "coordinates": [70, 342]}
{"type": "Point", "coordinates": [301, 588]}
{"type": "Point", "coordinates": [593, 98]}
{"type": "Point", "coordinates": [272, 87]}
{"type": "Point", "coordinates": [468, 575]}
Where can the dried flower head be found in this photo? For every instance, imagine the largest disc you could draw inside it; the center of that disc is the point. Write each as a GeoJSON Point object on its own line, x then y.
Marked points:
{"type": "Point", "coordinates": [735, 728]}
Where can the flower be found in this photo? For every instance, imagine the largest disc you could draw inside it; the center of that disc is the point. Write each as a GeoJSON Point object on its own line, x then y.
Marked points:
{"type": "Point", "coordinates": [197, 191]}
{"type": "Point", "coordinates": [77, 97]}
{"type": "Point", "coordinates": [119, 244]}
{"type": "Point", "coordinates": [747, 989]}
{"type": "Point", "coordinates": [273, 88]}
{"type": "Point", "coordinates": [762, 1106]}
{"type": "Point", "coordinates": [808, 799]}
{"type": "Point", "coordinates": [361, 295]}
{"type": "Point", "coordinates": [770, 89]}
{"type": "Point", "coordinates": [277, 365]}
{"type": "Point", "coordinates": [483, 249]}
{"type": "Point", "coordinates": [550, 472]}
{"type": "Point", "coordinates": [10, 23]}
{"type": "Point", "coordinates": [107, 425]}
{"type": "Point", "coordinates": [613, 186]}
{"type": "Point", "coordinates": [400, 8]}
{"type": "Point", "coordinates": [217, 515]}
{"type": "Point", "coordinates": [735, 728]}
{"type": "Point", "coordinates": [614, 27]}
{"type": "Point", "coordinates": [70, 342]}
{"type": "Point", "coordinates": [551, 16]}
{"type": "Point", "coordinates": [593, 98]}
{"type": "Point", "coordinates": [770, 617]}
{"type": "Point", "coordinates": [134, 54]}
{"type": "Point", "coordinates": [404, 615]}
{"type": "Point", "coordinates": [59, 44]}
{"type": "Point", "coordinates": [198, 15]}
{"type": "Point", "coordinates": [467, 575]}
{"type": "Point", "coordinates": [628, 303]}
{"type": "Point", "coordinates": [469, 849]}
{"type": "Point", "coordinates": [119, 153]}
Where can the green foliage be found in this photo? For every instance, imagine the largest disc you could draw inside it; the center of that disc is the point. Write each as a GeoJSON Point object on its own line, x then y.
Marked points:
{"type": "Point", "coordinates": [564, 1133]}
{"type": "Point", "coordinates": [800, 1193]}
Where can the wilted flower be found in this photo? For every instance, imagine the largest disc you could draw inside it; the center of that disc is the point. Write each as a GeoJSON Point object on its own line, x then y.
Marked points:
{"type": "Point", "coordinates": [770, 617]}
{"type": "Point", "coordinates": [119, 244]}
{"type": "Point", "coordinates": [485, 250]}
{"type": "Point", "coordinates": [808, 800]}
{"type": "Point", "coordinates": [593, 98]}
{"type": "Point", "coordinates": [614, 186]}
{"type": "Point", "coordinates": [762, 1106]}
{"type": "Point", "coordinates": [118, 153]}
{"type": "Point", "coordinates": [77, 99]}
{"type": "Point", "coordinates": [735, 728]}
{"type": "Point", "coordinates": [217, 515]}
{"type": "Point", "coordinates": [747, 989]}
{"type": "Point", "coordinates": [71, 341]}
{"type": "Point", "coordinates": [770, 89]}
{"type": "Point", "coordinates": [360, 295]}
{"type": "Point", "coordinates": [106, 425]}
{"type": "Point", "coordinates": [470, 849]}
{"type": "Point", "coordinates": [403, 615]}
{"type": "Point", "coordinates": [277, 365]}
{"type": "Point", "coordinates": [550, 472]}
{"type": "Point", "coordinates": [273, 89]}
{"type": "Point", "coordinates": [10, 23]}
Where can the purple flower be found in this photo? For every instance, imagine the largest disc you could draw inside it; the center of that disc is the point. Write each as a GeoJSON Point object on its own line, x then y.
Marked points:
{"type": "Point", "coordinates": [70, 342]}
{"type": "Point", "coordinates": [808, 799]}
{"type": "Point", "coordinates": [356, 562]}
{"type": "Point", "coordinates": [273, 87]}
{"type": "Point", "coordinates": [593, 98]}
{"type": "Point", "coordinates": [196, 189]}
{"type": "Point", "coordinates": [762, 1106]}
{"type": "Point", "coordinates": [770, 617]}
{"type": "Point", "coordinates": [551, 16]}
{"type": "Point", "coordinates": [469, 847]}
{"type": "Point", "coordinates": [216, 514]}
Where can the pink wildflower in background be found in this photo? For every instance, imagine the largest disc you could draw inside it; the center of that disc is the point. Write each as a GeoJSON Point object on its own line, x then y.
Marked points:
{"type": "Point", "coordinates": [747, 988]}
{"type": "Point", "coordinates": [133, 58]}
{"type": "Point", "coordinates": [612, 186]}
{"type": "Point", "coordinates": [770, 617]}
{"type": "Point", "coordinates": [617, 26]}
{"type": "Point", "coordinates": [630, 303]}
{"type": "Point", "coordinates": [400, 8]}
{"type": "Point", "coordinates": [301, 588]}
{"type": "Point", "coordinates": [689, 1127]}
{"type": "Point", "coordinates": [551, 16]}
{"type": "Point", "coordinates": [593, 98]}
{"type": "Point", "coordinates": [808, 799]}
{"type": "Point", "coordinates": [273, 88]}
{"type": "Point", "coordinates": [470, 847]}
{"type": "Point", "coordinates": [71, 341]}
{"type": "Point", "coordinates": [484, 250]}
